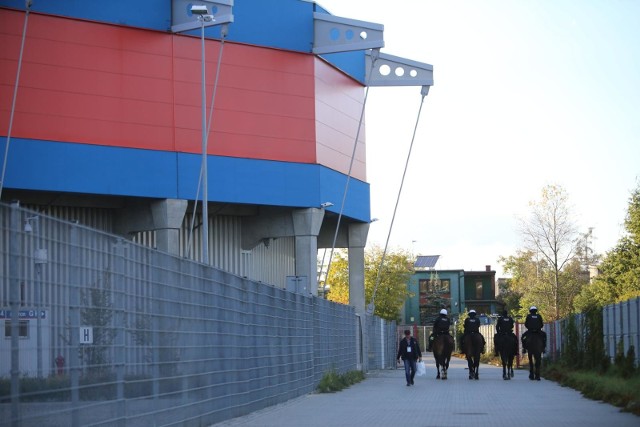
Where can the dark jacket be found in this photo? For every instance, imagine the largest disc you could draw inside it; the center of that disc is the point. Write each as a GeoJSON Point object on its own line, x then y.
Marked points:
{"type": "Point", "coordinates": [441, 325]}
{"type": "Point", "coordinates": [504, 324]}
{"type": "Point", "coordinates": [471, 324]}
{"type": "Point", "coordinates": [403, 351]}
{"type": "Point", "coordinates": [533, 322]}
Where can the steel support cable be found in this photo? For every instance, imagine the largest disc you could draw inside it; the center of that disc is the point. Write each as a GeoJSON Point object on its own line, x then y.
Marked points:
{"type": "Point", "coordinates": [15, 94]}
{"type": "Point", "coordinates": [223, 33]}
{"type": "Point", "coordinates": [371, 306]}
{"type": "Point", "coordinates": [374, 56]}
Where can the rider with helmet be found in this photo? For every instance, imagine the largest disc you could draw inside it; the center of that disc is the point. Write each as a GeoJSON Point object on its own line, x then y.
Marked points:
{"type": "Point", "coordinates": [534, 324]}
{"type": "Point", "coordinates": [504, 326]}
{"type": "Point", "coordinates": [472, 325]}
{"type": "Point", "coordinates": [440, 326]}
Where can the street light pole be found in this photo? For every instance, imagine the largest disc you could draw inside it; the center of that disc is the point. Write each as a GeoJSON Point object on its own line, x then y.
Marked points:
{"type": "Point", "coordinates": [184, 22]}
{"type": "Point", "coordinates": [205, 178]}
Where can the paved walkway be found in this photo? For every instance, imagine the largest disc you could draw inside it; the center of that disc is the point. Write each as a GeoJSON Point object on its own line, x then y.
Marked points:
{"type": "Point", "coordinates": [383, 399]}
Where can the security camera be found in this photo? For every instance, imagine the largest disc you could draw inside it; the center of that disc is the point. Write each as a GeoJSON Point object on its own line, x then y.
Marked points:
{"type": "Point", "coordinates": [326, 204]}
{"type": "Point", "coordinates": [199, 9]}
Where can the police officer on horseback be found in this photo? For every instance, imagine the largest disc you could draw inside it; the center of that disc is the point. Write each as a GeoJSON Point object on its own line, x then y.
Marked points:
{"type": "Point", "coordinates": [504, 326]}
{"type": "Point", "coordinates": [472, 325]}
{"type": "Point", "coordinates": [534, 324]}
{"type": "Point", "coordinates": [440, 326]}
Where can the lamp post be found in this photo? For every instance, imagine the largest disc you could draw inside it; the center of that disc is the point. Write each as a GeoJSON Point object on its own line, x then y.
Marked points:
{"type": "Point", "coordinates": [203, 16]}
{"type": "Point", "coordinates": [39, 257]}
{"type": "Point", "coordinates": [181, 22]}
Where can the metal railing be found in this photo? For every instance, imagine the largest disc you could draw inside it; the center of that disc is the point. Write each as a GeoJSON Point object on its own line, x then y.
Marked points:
{"type": "Point", "coordinates": [100, 330]}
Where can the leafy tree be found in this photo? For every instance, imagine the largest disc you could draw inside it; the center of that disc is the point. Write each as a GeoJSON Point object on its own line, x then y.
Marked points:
{"type": "Point", "coordinates": [392, 289]}
{"type": "Point", "coordinates": [510, 298]}
{"type": "Point", "coordinates": [525, 274]}
{"type": "Point", "coordinates": [436, 297]}
{"type": "Point", "coordinates": [338, 278]}
{"type": "Point", "coordinates": [550, 239]}
{"type": "Point", "coordinates": [619, 277]}
{"type": "Point", "coordinates": [632, 220]}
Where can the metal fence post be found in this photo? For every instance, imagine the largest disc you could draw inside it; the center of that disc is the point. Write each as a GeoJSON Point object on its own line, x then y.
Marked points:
{"type": "Point", "coordinates": [14, 303]}
{"type": "Point", "coordinates": [74, 318]}
{"type": "Point", "coordinates": [119, 326]}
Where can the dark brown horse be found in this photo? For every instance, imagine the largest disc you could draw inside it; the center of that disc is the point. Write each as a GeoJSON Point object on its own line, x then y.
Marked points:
{"type": "Point", "coordinates": [507, 345]}
{"type": "Point", "coordinates": [472, 348]}
{"type": "Point", "coordinates": [535, 346]}
{"type": "Point", "coordinates": [442, 348]}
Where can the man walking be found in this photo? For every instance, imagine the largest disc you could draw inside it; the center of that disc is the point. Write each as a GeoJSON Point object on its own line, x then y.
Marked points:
{"type": "Point", "coordinates": [409, 351]}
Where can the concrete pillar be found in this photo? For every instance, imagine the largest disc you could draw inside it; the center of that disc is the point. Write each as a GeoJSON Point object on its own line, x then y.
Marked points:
{"type": "Point", "coordinates": [306, 226]}
{"type": "Point", "coordinates": [357, 240]}
{"type": "Point", "coordinates": [167, 216]}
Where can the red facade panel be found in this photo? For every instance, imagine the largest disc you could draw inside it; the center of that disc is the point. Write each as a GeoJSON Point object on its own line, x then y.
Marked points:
{"type": "Point", "coordinates": [339, 102]}
{"type": "Point", "coordinates": [264, 106]}
{"type": "Point", "coordinates": [92, 83]}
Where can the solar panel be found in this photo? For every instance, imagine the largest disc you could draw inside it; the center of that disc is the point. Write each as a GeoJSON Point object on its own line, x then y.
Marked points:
{"type": "Point", "coordinates": [426, 261]}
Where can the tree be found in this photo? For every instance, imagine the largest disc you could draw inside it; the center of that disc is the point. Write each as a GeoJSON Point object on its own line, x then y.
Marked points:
{"type": "Point", "coordinates": [619, 277]}
{"type": "Point", "coordinates": [338, 278]}
{"type": "Point", "coordinates": [632, 220]}
{"type": "Point", "coordinates": [547, 272]}
{"type": "Point", "coordinates": [392, 288]}
{"type": "Point", "coordinates": [523, 269]}
{"type": "Point", "coordinates": [433, 297]}
{"type": "Point", "coordinates": [509, 297]}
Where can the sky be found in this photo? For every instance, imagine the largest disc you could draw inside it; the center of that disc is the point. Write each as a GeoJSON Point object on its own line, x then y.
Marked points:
{"type": "Point", "coordinates": [526, 94]}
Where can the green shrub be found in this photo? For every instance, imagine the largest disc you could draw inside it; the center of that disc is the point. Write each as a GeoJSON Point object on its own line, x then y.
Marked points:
{"type": "Point", "coordinates": [611, 387]}
{"type": "Point", "coordinates": [332, 381]}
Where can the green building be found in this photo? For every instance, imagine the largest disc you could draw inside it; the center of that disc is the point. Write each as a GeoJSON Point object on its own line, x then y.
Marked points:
{"type": "Point", "coordinates": [456, 290]}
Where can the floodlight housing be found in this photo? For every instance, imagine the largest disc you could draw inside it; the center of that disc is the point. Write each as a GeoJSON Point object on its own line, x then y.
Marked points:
{"type": "Point", "coordinates": [199, 9]}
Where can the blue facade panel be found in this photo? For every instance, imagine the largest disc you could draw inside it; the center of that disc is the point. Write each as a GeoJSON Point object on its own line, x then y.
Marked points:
{"type": "Point", "coordinates": [82, 168]}
{"type": "Point", "coordinates": [152, 14]}
{"type": "Point", "coordinates": [115, 171]}
{"type": "Point", "coordinates": [280, 24]}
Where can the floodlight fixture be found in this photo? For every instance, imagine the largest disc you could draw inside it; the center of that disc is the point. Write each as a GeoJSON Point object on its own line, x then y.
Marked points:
{"type": "Point", "coordinates": [199, 9]}
{"type": "Point", "coordinates": [326, 204]}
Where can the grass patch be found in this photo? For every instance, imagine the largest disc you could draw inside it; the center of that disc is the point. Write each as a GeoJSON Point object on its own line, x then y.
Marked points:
{"type": "Point", "coordinates": [333, 381]}
{"type": "Point", "coordinates": [609, 387]}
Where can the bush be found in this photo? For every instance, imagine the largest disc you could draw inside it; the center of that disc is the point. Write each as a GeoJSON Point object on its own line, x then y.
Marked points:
{"type": "Point", "coordinates": [332, 381]}
{"type": "Point", "coordinates": [611, 387]}
{"type": "Point", "coordinates": [625, 365]}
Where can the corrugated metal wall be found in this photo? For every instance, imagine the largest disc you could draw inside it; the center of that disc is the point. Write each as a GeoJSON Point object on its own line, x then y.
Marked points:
{"type": "Point", "coordinates": [270, 264]}
{"type": "Point", "coordinates": [622, 324]}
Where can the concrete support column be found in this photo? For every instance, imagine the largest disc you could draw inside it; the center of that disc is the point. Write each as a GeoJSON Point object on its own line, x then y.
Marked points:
{"type": "Point", "coordinates": [306, 226]}
{"type": "Point", "coordinates": [357, 241]}
{"type": "Point", "coordinates": [167, 216]}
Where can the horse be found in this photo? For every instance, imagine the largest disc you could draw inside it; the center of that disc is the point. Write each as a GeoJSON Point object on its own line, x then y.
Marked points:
{"type": "Point", "coordinates": [472, 348]}
{"type": "Point", "coordinates": [442, 348]}
{"type": "Point", "coordinates": [535, 346]}
{"type": "Point", "coordinates": [507, 344]}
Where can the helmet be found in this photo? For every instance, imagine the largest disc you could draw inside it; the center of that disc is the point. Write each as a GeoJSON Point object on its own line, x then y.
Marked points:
{"type": "Point", "coordinates": [533, 308]}
{"type": "Point", "coordinates": [504, 313]}
{"type": "Point", "coordinates": [443, 311]}
{"type": "Point", "coordinates": [472, 311]}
